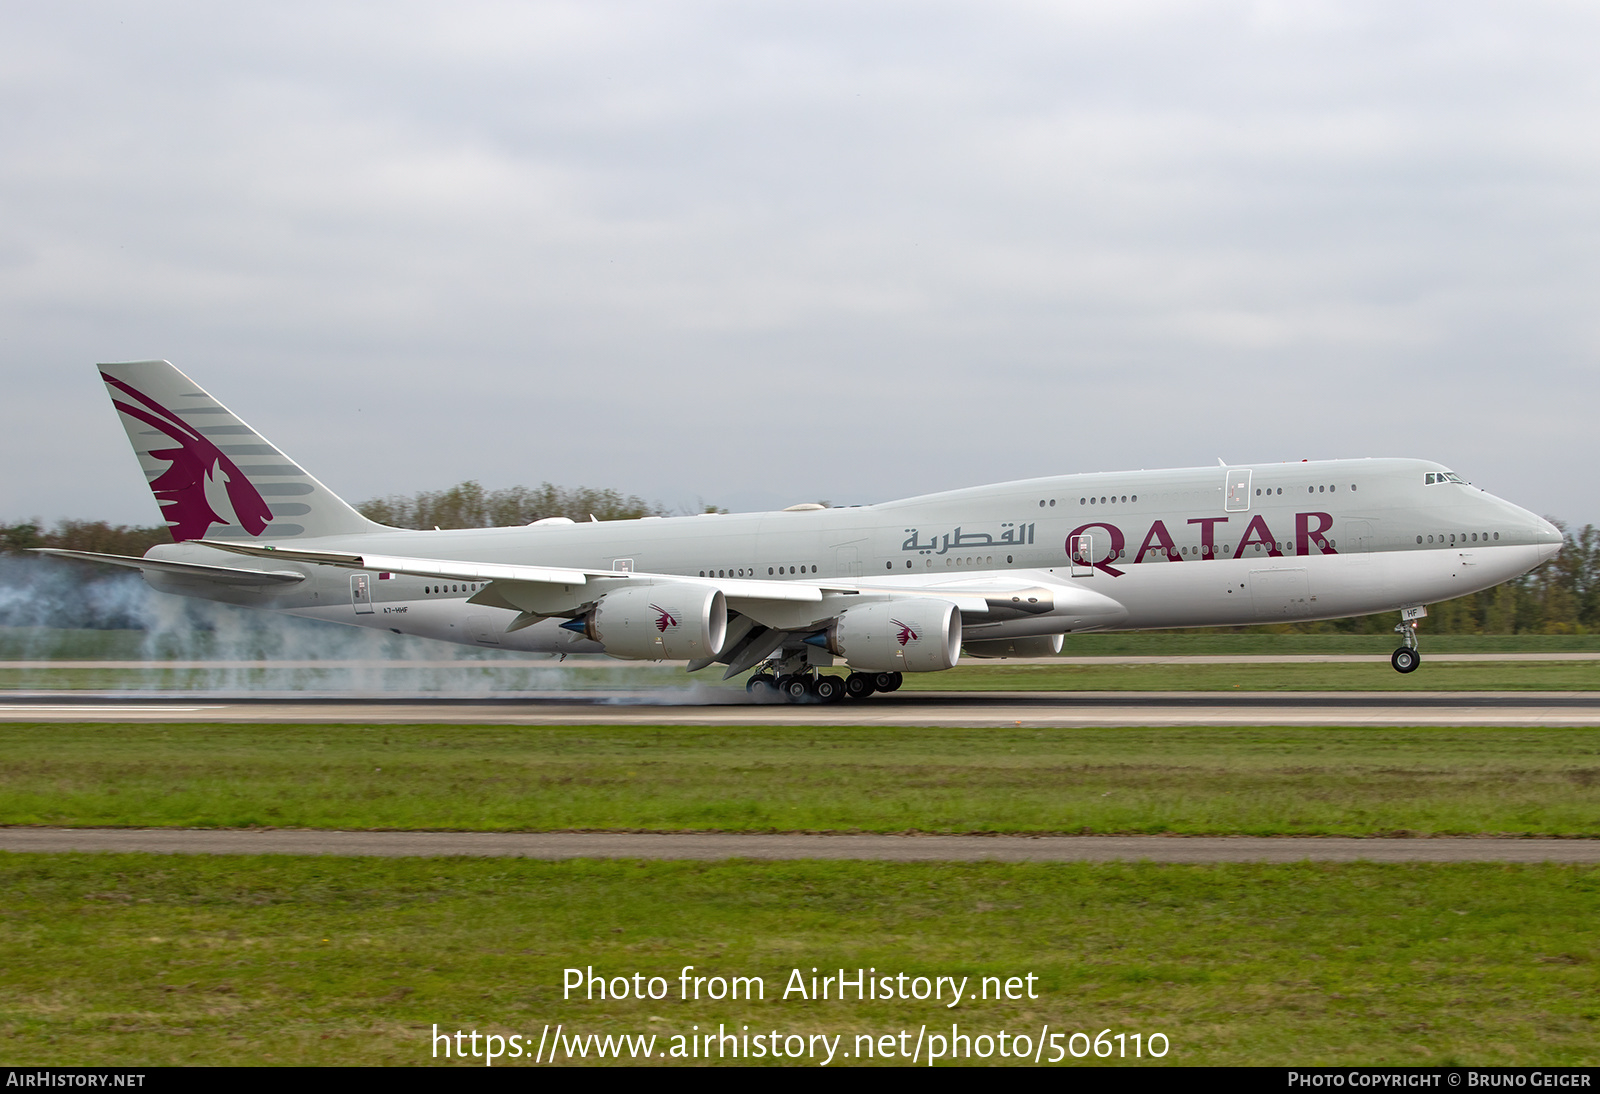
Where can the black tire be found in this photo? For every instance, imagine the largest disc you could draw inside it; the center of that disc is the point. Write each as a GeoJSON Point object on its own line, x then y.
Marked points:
{"type": "Point", "coordinates": [762, 682]}
{"type": "Point", "coordinates": [1405, 659]}
{"type": "Point", "coordinates": [829, 689]}
{"type": "Point", "coordinates": [858, 685]}
{"type": "Point", "coordinates": [888, 681]}
{"type": "Point", "coordinates": [797, 690]}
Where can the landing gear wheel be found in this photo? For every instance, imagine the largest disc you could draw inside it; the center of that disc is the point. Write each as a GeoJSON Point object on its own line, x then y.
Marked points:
{"type": "Point", "coordinates": [858, 685]}
{"type": "Point", "coordinates": [763, 683]}
{"type": "Point", "coordinates": [887, 681]}
{"type": "Point", "coordinates": [797, 689]}
{"type": "Point", "coordinates": [1405, 659]}
{"type": "Point", "coordinates": [829, 689]}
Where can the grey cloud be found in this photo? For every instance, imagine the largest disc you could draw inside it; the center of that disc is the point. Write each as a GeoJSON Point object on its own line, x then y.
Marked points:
{"type": "Point", "coordinates": [765, 253]}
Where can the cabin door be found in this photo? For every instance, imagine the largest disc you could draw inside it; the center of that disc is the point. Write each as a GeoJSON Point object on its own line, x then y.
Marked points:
{"type": "Point", "coordinates": [361, 593]}
{"type": "Point", "coordinates": [1081, 548]}
{"type": "Point", "coordinates": [1238, 491]}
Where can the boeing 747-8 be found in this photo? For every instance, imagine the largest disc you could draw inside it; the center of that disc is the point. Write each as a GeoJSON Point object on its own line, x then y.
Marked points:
{"type": "Point", "coordinates": [901, 586]}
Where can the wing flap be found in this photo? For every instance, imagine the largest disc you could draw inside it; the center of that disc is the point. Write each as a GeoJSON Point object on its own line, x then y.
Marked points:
{"type": "Point", "coordinates": [451, 570]}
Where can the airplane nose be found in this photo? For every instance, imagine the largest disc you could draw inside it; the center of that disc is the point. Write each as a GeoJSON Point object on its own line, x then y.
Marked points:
{"type": "Point", "coordinates": [1549, 539]}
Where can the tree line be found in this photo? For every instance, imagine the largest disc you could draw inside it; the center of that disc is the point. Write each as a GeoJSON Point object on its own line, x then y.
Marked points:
{"type": "Point", "coordinates": [1560, 597]}
{"type": "Point", "coordinates": [469, 505]}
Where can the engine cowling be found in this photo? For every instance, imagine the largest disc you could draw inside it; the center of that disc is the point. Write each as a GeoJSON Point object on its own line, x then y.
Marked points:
{"type": "Point", "coordinates": [910, 635]}
{"type": "Point", "coordinates": [1044, 646]}
{"type": "Point", "coordinates": [659, 622]}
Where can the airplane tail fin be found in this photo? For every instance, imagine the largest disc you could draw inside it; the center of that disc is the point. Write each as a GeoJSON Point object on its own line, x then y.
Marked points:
{"type": "Point", "coordinates": [212, 475]}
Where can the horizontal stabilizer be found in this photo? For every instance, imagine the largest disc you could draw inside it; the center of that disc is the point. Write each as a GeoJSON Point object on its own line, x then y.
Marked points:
{"type": "Point", "coordinates": [443, 569]}
{"type": "Point", "coordinates": [228, 575]}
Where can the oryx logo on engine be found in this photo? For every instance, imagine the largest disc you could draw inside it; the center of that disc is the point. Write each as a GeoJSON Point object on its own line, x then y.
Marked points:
{"type": "Point", "coordinates": [906, 633]}
{"type": "Point", "coordinates": [664, 618]}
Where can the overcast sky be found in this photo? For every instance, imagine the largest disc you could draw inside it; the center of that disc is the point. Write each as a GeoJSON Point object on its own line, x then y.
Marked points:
{"type": "Point", "coordinates": [754, 254]}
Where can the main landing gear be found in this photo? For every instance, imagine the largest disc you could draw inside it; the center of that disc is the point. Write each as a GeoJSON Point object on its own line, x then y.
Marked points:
{"type": "Point", "coordinates": [814, 687]}
{"type": "Point", "coordinates": [1408, 656]}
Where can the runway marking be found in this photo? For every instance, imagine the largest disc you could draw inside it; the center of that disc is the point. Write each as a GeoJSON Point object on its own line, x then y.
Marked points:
{"type": "Point", "coordinates": [717, 846]}
{"type": "Point", "coordinates": [117, 709]}
{"type": "Point", "coordinates": [691, 707]}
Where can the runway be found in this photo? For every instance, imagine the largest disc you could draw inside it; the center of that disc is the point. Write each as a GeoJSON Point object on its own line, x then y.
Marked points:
{"type": "Point", "coordinates": [716, 846]}
{"type": "Point", "coordinates": [701, 706]}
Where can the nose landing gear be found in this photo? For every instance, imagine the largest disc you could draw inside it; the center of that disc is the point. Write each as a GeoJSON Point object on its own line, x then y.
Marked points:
{"type": "Point", "coordinates": [1408, 656]}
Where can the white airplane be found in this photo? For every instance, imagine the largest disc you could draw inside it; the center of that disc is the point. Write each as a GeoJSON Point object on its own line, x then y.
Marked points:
{"type": "Point", "coordinates": [902, 586]}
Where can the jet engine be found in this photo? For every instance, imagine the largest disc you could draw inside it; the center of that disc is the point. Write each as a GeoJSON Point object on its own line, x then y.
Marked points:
{"type": "Point", "coordinates": [910, 635]}
{"type": "Point", "coordinates": [1044, 646]}
{"type": "Point", "coordinates": [658, 622]}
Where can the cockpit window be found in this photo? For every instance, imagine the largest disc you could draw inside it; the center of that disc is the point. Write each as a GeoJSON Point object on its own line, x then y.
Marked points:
{"type": "Point", "coordinates": [1442, 476]}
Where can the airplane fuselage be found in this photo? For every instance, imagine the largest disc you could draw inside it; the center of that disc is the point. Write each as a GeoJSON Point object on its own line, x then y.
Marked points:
{"type": "Point", "coordinates": [1216, 546]}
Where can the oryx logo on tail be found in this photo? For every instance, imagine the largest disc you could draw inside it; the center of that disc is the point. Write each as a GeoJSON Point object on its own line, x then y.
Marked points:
{"type": "Point", "coordinates": [664, 618]}
{"type": "Point", "coordinates": [200, 481]}
{"type": "Point", "coordinates": [906, 633]}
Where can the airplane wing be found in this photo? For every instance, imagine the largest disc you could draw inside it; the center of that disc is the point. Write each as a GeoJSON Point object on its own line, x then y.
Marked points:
{"type": "Point", "coordinates": [747, 591]}
{"type": "Point", "coordinates": [453, 570]}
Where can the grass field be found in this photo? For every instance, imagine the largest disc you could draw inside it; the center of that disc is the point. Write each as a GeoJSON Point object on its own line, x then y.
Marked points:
{"type": "Point", "coordinates": [143, 959]}
{"type": "Point", "coordinates": [1256, 781]}
{"type": "Point", "coordinates": [1376, 676]}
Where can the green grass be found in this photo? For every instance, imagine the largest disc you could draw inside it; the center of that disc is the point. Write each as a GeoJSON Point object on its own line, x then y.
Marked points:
{"type": "Point", "coordinates": [118, 960]}
{"type": "Point", "coordinates": [1265, 640]}
{"type": "Point", "coordinates": [1258, 781]}
{"type": "Point", "coordinates": [1374, 676]}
